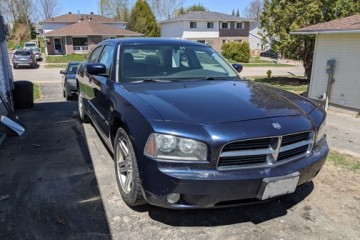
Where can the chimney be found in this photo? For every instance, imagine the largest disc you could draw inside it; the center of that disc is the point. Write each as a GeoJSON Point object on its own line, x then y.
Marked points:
{"type": "Point", "coordinates": [70, 12]}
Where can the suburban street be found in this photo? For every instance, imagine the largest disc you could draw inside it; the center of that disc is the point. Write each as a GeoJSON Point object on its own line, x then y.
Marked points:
{"type": "Point", "coordinates": [57, 181]}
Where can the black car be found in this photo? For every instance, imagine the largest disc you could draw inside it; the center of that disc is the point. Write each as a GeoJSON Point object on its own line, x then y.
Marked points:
{"type": "Point", "coordinates": [68, 80]}
{"type": "Point", "coordinates": [23, 57]}
{"type": "Point", "coordinates": [186, 131]}
{"type": "Point", "coordinates": [270, 54]}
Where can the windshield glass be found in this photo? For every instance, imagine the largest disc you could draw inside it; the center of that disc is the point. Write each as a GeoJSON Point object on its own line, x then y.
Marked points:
{"type": "Point", "coordinates": [72, 68]}
{"type": "Point", "coordinates": [169, 62]}
{"type": "Point", "coordinates": [30, 45]}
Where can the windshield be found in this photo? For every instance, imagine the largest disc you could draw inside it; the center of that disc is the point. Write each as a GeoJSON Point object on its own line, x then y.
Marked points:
{"type": "Point", "coordinates": [30, 45]}
{"type": "Point", "coordinates": [72, 68]}
{"type": "Point", "coordinates": [169, 62]}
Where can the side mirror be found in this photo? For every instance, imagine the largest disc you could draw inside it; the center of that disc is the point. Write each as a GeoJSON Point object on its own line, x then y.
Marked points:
{"type": "Point", "coordinates": [96, 68]}
{"type": "Point", "coordinates": [238, 67]}
{"type": "Point", "coordinates": [63, 72]}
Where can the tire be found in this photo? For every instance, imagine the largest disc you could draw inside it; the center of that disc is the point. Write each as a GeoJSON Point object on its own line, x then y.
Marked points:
{"type": "Point", "coordinates": [68, 97]}
{"type": "Point", "coordinates": [15, 66]}
{"type": "Point", "coordinates": [126, 170]}
{"type": "Point", "coordinates": [83, 115]}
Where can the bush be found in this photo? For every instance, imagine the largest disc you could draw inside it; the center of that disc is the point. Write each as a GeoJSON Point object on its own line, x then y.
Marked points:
{"type": "Point", "coordinates": [239, 52]}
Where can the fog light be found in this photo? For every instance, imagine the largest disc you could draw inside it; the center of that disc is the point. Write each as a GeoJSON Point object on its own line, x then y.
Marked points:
{"type": "Point", "coordinates": [173, 198]}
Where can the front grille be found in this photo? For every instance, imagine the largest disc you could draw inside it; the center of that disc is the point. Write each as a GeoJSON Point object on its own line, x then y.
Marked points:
{"type": "Point", "coordinates": [265, 151]}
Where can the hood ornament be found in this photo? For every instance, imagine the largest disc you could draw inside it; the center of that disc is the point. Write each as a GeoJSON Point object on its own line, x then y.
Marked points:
{"type": "Point", "coordinates": [276, 125]}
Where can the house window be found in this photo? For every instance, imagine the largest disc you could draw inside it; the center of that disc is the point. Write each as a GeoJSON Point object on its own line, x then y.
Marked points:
{"type": "Point", "coordinates": [192, 24]}
{"type": "Point", "coordinates": [239, 25]}
{"type": "Point", "coordinates": [224, 25]}
{"type": "Point", "coordinates": [108, 37]}
{"type": "Point", "coordinates": [238, 40]}
{"type": "Point", "coordinates": [210, 25]}
{"type": "Point", "coordinates": [80, 44]}
{"type": "Point", "coordinates": [225, 41]}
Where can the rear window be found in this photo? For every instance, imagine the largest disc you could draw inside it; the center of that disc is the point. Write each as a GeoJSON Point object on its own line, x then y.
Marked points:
{"type": "Point", "coordinates": [22, 53]}
{"type": "Point", "coordinates": [30, 45]}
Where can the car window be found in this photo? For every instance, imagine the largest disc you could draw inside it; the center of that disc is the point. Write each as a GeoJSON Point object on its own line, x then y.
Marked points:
{"type": "Point", "coordinates": [173, 62]}
{"type": "Point", "coordinates": [106, 57]}
{"type": "Point", "coordinates": [72, 68]}
{"type": "Point", "coordinates": [95, 55]}
{"type": "Point", "coordinates": [22, 53]}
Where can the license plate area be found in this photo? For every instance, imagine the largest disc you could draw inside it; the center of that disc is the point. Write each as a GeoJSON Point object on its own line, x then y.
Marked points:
{"type": "Point", "coordinates": [278, 186]}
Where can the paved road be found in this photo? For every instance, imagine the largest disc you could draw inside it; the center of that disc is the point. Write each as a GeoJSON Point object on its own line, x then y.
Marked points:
{"type": "Point", "coordinates": [58, 182]}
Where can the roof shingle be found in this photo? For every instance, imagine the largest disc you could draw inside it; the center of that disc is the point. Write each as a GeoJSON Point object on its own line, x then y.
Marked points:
{"type": "Point", "coordinates": [343, 24]}
{"type": "Point", "coordinates": [73, 18]}
{"type": "Point", "coordinates": [90, 28]}
{"type": "Point", "coordinates": [205, 16]}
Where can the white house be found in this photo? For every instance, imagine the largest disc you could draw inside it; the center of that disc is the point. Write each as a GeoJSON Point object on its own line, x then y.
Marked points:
{"type": "Point", "coordinates": [212, 28]}
{"type": "Point", "coordinates": [255, 39]}
{"type": "Point", "coordinates": [337, 40]}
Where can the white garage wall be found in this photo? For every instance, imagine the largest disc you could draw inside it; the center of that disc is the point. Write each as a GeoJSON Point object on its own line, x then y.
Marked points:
{"type": "Point", "coordinates": [345, 49]}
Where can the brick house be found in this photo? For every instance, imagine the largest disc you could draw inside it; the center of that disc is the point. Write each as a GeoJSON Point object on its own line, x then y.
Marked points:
{"type": "Point", "coordinates": [78, 33]}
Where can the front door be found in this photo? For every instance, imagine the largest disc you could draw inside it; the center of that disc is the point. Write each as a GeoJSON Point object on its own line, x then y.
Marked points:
{"type": "Point", "coordinates": [58, 46]}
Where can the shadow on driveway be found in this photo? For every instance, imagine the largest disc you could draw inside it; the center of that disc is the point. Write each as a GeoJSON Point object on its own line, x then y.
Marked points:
{"type": "Point", "coordinates": [48, 181]}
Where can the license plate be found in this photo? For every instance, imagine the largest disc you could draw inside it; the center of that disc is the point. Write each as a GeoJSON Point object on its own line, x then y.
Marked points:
{"type": "Point", "coordinates": [278, 186]}
{"type": "Point", "coordinates": [22, 59]}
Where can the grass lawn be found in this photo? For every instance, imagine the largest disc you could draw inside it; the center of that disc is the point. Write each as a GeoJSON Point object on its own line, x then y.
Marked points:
{"type": "Point", "coordinates": [36, 92]}
{"type": "Point", "coordinates": [66, 58]}
{"type": "Point", "coordinates": [344, 161]}
{"type": "Point", "coordinates": [257, 62]}
{"type": "Point", "coordinates": [293, 84]}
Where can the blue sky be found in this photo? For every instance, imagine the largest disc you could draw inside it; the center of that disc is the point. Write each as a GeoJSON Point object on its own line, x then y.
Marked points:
{"type": "Point", "coordinates": [225, 6]}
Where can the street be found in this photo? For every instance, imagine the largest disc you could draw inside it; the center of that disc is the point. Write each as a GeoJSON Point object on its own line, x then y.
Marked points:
{"type": "Point", "coordinates": [57, 181]}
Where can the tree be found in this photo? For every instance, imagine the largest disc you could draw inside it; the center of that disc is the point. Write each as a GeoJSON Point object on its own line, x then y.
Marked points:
{"type": "Point", "coordinates": [48, 8]}
{"type": "Point", "coordinates": [282, 17]}
{"type": "Point", "coordinates": [143, 20]}
{"type": "Point", "coordinates": [192, 8]}
{"type": "Point", "coordinates": [164, 9]}
{"type": "Point", "coordinates": [117, 9]}
{"type": "Point", "coordinates": [254, 9]}
{"type": "Point", "coordinates": [233, 12]}
{"type": "Point", "coordinates": [238, 13]}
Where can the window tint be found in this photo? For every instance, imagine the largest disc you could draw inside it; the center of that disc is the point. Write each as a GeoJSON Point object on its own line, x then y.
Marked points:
{"type": "Point", "coordinates": [95, 55]}
{"type": "Point", "coordinates": [106, 57]}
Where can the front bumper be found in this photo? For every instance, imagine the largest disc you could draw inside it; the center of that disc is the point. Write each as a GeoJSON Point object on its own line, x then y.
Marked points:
{"type": "Point", "coordinates": [70, 88]}
{"type": "Point", "coordinates": [208, 188]}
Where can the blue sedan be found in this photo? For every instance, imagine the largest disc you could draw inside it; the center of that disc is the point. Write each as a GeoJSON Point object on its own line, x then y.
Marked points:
{"type": "Point", "coordinates": [186, 131]}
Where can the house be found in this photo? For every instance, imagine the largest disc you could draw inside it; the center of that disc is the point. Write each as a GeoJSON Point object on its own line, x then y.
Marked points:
{"type": "Point", "coordinates": [256, 43]}
{"type": "Point", "coordinates": [78, 33]}
{"type": "Point", "coordinates": [336, 63]}
{"type": "Point", "coordinates": [212, 28]}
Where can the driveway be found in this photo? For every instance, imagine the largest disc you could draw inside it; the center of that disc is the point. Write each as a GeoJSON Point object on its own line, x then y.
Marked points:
{"type": "Point", "coordinates": [57, 181]}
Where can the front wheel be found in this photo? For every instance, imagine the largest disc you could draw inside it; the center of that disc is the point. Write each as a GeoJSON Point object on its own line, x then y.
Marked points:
{"type": "Point", "coordinates": [127, 173]}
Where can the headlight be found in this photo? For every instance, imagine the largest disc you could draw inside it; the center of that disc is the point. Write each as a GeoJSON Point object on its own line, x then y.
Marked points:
{"type": "Point", "coordinates": [321, 132]}
{"type": "Point", "coordinates": [162, 146]}
{"type": "Point", "coordinates": [71, 80]}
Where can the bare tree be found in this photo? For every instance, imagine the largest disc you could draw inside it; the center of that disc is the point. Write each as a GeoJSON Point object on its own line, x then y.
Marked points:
{"type": "Point", "coordinates": [254, 9]}
{"type": "Point", "coordinates": [114, 8]}
{"type": "Point", "coordinates": [48, 8]}
{"type": "Point", "coordinates": [164, 9]}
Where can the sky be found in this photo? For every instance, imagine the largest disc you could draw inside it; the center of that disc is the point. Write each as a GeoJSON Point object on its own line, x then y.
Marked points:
{"type": "Point", "coordinates": [224, 6]}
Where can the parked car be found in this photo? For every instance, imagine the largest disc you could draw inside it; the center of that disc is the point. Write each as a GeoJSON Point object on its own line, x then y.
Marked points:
{"type": "Point", "coordinates": [23, 57]}
{"type": "Point", "coordinates": [68, 80]}
{"type": "Point", "coordinates": [188, 132]}
{"type": "Point", "coordinates": [270, 54]}
{"type": "Point", "coordinates": [34, 48]}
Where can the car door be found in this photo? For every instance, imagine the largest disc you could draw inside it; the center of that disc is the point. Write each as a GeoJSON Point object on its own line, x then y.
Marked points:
{"type": "Point", "coordinates": [87, 84]}
{"type": "Point", "coordinates": [102, 85]}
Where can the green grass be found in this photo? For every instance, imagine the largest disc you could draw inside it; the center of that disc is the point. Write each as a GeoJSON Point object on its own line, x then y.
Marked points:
{"type": "Point", "coordinates": [344, 161]}
{"type": "Point", "coordinates": [66, 58]}
{"type": "Point", "coordinates": [257, 62]}
{"type": "Point", "coordinates": [36, 92]}
{"type": "Point", "coordinates": [292, 84]}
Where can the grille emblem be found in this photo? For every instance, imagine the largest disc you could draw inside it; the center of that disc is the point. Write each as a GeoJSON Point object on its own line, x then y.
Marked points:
{"type": "Point", "coordinates": [276, 125]}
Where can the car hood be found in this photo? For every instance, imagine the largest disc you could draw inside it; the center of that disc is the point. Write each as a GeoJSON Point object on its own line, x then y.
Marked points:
{"type": "Point", "coordinates": [210, 102]}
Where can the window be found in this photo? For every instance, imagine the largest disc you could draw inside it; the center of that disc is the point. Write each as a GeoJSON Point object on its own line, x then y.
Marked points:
{"type": "Point", "coordinates": [81, 41]}
{"type": "Point", "coordinates": [239, 25]}
{"type": "Point", "coordinates": [225, 41]}
{"type": "Point", "coordinates": [224, 25]}
{"type": "Point", "coordinates": [106, 57]}
{"type": "Point", "coordinates": [238, 40]}
{"type": "Point", "coordinates": [95, 55]}
{"type": "Point", "coordinates": [108, 37]}
{"type": "Point", "coordinates": [210, 25]}
{"type": "Point", "coordinates": [192, 24]}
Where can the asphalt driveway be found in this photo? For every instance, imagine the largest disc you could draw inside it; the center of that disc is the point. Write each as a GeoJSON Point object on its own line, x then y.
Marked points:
{"type": "Point", "coordinates": [57, 181]}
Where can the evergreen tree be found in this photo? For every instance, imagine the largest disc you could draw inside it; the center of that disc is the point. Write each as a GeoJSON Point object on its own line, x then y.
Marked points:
{"type": "Point", "coordinates": [142, 20]}
{"type": "Point", "coordinates": [279, 18]}
{"type": "Point", "coordinates": [238, 13]}
{"type": "Point", "coordinates": [233, 12]}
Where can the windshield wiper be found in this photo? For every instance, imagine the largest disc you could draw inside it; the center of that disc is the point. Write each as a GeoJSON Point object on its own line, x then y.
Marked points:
{"type": "Point", "coordinates": [151, 80]}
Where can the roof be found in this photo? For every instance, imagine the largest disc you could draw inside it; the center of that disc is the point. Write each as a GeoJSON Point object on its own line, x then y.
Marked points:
{"type": "Point", "coordinates": [154, 41]}
{"type": "Point", "coordinates": [343, 25]}
{"type": "Point", "coordinates": [206, 16]}
{"type": "Point", "coordinates": [73, 18]}
{"type": "Point", "coordinates": [90, 28]}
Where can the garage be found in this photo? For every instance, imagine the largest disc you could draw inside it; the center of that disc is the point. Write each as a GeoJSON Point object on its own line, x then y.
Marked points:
{"type": "Point", "coordinates": [336, 63]}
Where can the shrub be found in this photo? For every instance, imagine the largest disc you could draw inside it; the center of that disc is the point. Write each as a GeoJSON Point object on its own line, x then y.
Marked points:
{"type": "Point", "coordinates": [239, 52]}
